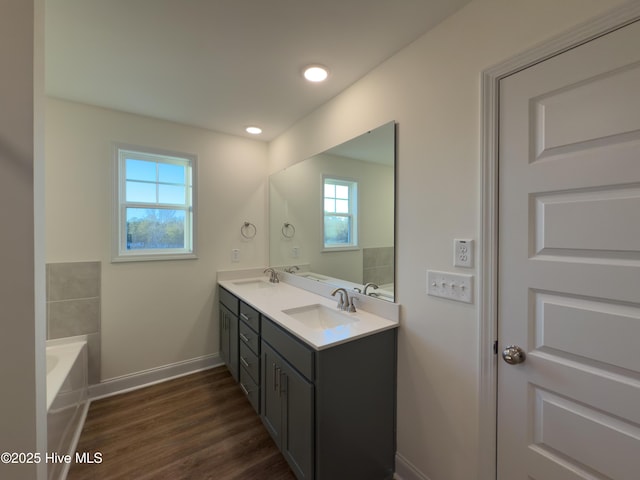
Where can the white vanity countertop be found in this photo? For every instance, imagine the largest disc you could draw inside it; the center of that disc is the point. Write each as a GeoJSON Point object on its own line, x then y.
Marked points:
{"type": "Point", "coordinates": [272, 298]}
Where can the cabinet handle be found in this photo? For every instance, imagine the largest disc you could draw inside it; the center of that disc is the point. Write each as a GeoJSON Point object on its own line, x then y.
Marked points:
{"type": "Point", "coordinates": [274, 375]}
{"type": "Point", "coordinates": [244, 317]}
{"type": "Point", "coordinates": [244, 362]}
{"type": "Point", "coordinates": [277, 385]}
{"type": "Point", "coordinates": [244, 389]}
{"type": "Point", "coordinates": [244, 338]}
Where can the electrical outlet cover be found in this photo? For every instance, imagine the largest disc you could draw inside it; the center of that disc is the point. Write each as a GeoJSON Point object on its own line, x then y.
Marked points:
{"type": "Point", "coordinates": [463, 253]}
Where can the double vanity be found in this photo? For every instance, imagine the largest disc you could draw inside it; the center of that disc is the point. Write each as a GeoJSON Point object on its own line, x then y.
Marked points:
{"type": "Point", "coordinates": [322, 380]}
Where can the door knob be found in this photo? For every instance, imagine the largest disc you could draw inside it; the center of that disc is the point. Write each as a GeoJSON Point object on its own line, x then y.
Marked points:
{"type": "Point", "coordinates": [513, 355]}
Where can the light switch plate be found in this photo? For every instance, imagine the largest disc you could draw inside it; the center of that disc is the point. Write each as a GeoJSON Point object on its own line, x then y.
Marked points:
{"type": "Point", "coordinates": [235, 255]}
{"type": "Point", "coordinates": [463, 253]}
{"type": "Point", "coordinates": [454, 286]}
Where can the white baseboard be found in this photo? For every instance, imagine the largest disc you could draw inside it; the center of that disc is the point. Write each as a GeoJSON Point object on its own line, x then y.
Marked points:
{"type": "Point", "coordinates": [405, 470]}
{"type": "Point", "coordinates": [152, 376]}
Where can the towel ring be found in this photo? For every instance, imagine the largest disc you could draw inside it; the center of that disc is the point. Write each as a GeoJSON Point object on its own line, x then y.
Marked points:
{"type": "Point", "coordinates": [288, 230]}
{"type": "Point", "coordinates": [248, 230]}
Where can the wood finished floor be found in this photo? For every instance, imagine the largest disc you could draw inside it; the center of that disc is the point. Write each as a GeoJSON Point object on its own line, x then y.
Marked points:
{"type": "Point", "coordinates": [199, 426]}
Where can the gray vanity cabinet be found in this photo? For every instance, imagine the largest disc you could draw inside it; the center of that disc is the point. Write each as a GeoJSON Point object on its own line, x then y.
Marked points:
{"type": "Point", "coordinates": [332, 411]}
{"type": "Point", "coordinates": [229, 308]}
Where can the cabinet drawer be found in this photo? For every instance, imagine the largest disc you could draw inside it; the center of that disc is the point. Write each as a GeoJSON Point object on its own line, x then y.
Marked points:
{"type": "Point", "coordinates": [249, 338]}
{"type": "Point", "coordinates": [293, 350]}
{"type": "Point", "coordinates": [250, 315]}
{"type": "Point", "coordinates": [250, 389]}
{"type": "Point", "coordinates": [250, 361]}
{"type": "Point", "coordinates": [229, 300]}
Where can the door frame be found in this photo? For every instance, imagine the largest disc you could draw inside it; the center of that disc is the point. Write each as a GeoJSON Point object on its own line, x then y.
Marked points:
{"type": "Point", "coordinates": [488, 267]}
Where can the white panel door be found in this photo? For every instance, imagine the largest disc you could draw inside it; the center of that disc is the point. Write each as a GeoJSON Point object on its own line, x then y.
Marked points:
{"type": "Point", "coordinates": [569, 264]}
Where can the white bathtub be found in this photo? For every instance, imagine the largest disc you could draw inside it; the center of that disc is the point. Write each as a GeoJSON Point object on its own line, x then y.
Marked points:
{"type": "Point", "coordinates": [66, 399]}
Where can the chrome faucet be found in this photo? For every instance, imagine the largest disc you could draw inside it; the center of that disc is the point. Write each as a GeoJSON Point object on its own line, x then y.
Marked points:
{"type": "Point", "coordinates": [292, 269]}
{"type": "Point", "coordinates": [344, 303]}
{"type": "Point", "coordinates": [273, 277]}
{"type": "Point", "coordinates": [372, 285]}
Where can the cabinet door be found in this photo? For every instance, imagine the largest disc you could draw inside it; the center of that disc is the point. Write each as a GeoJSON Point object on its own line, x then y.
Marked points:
{"type": "Point", "coordinates": [234, 349]}
{"type": "Point", "coordinates": [224, 335]}
{"type": "Point", "coordinates": [287, 411]}
{"type": "Point", "coordinates": [297, 423]}
{"type": "Point", "coordinates": [229, 340]}
{"type": "Point", "coordinates": [271, 401]}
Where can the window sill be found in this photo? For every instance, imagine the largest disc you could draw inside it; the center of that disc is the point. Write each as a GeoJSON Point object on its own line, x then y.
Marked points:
{"type": "Point", "coordinates": [340, 249]}
{"type": "Point", "coordinates": [153, 257]}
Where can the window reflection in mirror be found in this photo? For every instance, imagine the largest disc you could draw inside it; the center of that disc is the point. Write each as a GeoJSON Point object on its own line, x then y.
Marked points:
{"type": "Point", "coordinates": [340, 207]}
{"type": "Point", "coordinates": [340, 199]}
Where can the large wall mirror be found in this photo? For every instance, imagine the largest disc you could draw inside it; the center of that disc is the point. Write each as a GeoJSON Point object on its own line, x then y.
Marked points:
{"type": "Point", "coordinates": [333, 215]}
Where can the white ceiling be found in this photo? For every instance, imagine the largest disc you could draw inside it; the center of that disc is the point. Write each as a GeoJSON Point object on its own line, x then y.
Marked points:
{"type": "Point", "coordinates": [223, 64]}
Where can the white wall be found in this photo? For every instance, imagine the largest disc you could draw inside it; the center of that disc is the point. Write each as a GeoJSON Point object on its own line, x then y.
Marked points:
{"type": "Point", "coordinates": [432, 89]}
{"type": "Point", "coordinates": [23, 413]}
{"type": "Point", "coordinates": [153, 313]}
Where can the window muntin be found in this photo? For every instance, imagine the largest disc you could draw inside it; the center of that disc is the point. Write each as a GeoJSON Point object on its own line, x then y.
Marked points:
{"type": "Point", "coordinates": [155, 208]}
{"type": "Point", "coordinates": [340, 226]}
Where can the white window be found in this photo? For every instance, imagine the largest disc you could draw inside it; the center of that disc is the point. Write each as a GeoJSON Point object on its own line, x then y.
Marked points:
{"type": "Point", "coordinates": [154, 211]}
{"type": "Point", "coordinates": [340, 222]}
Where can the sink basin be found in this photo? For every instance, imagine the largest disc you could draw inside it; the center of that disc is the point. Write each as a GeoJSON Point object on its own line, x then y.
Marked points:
{"type": "Point", "coordinates": [313, 276]}
{"type": "Point", "coordinates": [255, 283]}
{"type": "Point", "coordinates": [320, 317]}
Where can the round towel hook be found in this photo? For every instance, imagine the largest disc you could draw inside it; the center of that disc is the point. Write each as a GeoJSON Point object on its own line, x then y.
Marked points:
{"type": "Point", "coordinates": [288, 230]}
{"type": "Point", "coordinates": [248, 230]}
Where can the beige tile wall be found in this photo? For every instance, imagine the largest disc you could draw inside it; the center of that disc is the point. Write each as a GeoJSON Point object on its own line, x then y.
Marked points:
{"type": "Point", "coordinates": [73, 306]}
{"type": "Point", "coordinates": [378, 265]}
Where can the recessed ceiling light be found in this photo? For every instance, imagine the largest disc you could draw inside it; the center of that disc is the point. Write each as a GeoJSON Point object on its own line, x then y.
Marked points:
{"type": "Point", "coordinates": [253, 130]}
{"type": "Point", "coordinates": [316, 73]}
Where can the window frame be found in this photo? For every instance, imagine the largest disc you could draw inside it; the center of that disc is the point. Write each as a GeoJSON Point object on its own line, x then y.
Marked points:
{"type": "Point", "coordinates": [353, 213]}
{"type": "Point", "coordinates": [120, 253]}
